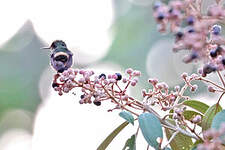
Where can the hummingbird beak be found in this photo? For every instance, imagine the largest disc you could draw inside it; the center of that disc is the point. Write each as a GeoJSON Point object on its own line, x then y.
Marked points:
{"type": "Point", "coordinates": [45, 48]}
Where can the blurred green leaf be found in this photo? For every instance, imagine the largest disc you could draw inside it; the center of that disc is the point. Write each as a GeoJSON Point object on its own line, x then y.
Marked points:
{"type": "Point", "coordinates": [218, 120]}
{"type": "Point", "coordinates": [22, 63]}
{"type": "Point", "coordinates": [130, 143]}
{"type": "Point", "coordinates": [127, 116]}
{"type": "Point", "coordinates": [151, 128]}
{"type": "Point", "coordinates": [109, 139]}
{"type": "Point", "coordinates": [180, 141]}
{"type": "Point", "coordinates": [197, 105]}
{"type": "Point", "coordinates": [194, 146]}
{"type": "Point", "coordinates": [209, 115]}
{"type": "Point", "coordinates": [189, 115]}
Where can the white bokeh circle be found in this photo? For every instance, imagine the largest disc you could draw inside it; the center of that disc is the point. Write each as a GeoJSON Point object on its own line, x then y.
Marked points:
{"type": "Point", "coordinates": [164, 64]}
{"type": "Point", "coordinates": [16, 139]}
{"type": "Point", "coordinates": [13, 15]}
{"type": "Point", "coordinates": [82, 24]}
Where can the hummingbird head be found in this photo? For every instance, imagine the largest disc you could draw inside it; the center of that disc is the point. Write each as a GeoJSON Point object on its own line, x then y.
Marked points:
{"type": "Point", "coordinates": [56, 44]}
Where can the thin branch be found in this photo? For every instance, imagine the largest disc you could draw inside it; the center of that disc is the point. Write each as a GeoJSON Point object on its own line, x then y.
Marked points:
{"type": "Point", "coordinates": [218, 102]}
{"type": "Point", "coordinates": [171, 138]}
{"type": "Point", "coordinates": [220, 97]}
{"type": "Point", "coordinates": [221, 78]}
{"type": "Point", "coordinates": [208, 81]}
{"type": "Point", "coordinates": [179, 96]}
{"type": "Point", "coordinates": [193, 131]}
{"type": "Point", "coordinates": [170, 114]}
{"type": "Point", "coordinates": [137, 131]}
{"type": "Point", "coordinates": [148, 147]}
{"type": "Point", "coordinates": [114, 100]}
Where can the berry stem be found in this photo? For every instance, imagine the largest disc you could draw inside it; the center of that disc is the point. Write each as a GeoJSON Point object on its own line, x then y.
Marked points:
{"type": "Point", "coordinates": [208, 81]}
{"type": "Point", "coordinates": [171, 138]}
{"type": "Point", "coordinates": [217, 104]}
{"type": "Point", "coordinates": [114, 100]}
{"type": "Point", "coordinates": [221, 78]}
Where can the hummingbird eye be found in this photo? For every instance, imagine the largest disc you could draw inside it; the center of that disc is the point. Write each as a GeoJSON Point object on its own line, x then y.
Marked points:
{"type": "Point", "coordinates": [53, 45]}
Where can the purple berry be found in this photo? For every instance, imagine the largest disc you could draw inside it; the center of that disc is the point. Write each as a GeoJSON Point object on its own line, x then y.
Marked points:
{"type": "Point", "coordinates": [194, 55]}
{"type": "Point", "coordinates": [160, 16]}
{"type": "Point", "coordinates": [207, 69]}
{"type": "Point", "coordinates": [179, 35]}
{"type": "Point", "coordinates": [97, 103]}
{"type": "Point", "coordinates": [223, 61]}
{"type": "Point", "coordinates": [119, 76]}
{"type": "Point", "coordinates": [170, 10]}
{"type": "Point", "coordinates": [55, 85]}
{"type": "Point", "coordinates": [156, 5]}
{"type": "Point", "coordinates": [219, 49]}
{"type": "Point", "coordinates": [103, 76]}
{"type": "Point", "coordinates": [191, 30]}
{"type": "Point", "coordinates": [213, 53]}
{"type": "Point", "coordinates": [216, 29]}
{"type": "Point", "coordinates": [216, 52]}
{"type": "Point", "coordinates": [82, 96]}
{"type": "Point", "coordinates": [190, 20]}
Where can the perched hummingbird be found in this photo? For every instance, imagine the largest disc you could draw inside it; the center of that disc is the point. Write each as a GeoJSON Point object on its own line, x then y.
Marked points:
{"type": "Point", "coordinates": [61, 57]}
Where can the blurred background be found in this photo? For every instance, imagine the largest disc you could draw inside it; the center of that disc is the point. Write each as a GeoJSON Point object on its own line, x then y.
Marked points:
{"type": "Point", "coordinates": [105, 35]}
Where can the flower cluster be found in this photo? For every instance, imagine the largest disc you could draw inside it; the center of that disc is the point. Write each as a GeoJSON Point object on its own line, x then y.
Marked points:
{"type": "Point", "coordinates": [98, 88]}
{"type": "Point", "coordinates": [194, 31]}
{"type": "Point", "coordinates": [113, 87]}
{"type": "Point", "coordinates": [213, 139]}
{"type": "Point", "coordinates": [165, 98]}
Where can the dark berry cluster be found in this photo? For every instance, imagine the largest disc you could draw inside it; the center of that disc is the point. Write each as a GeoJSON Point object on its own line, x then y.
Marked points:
{"type": "Point", "coordinates": [194, 31]}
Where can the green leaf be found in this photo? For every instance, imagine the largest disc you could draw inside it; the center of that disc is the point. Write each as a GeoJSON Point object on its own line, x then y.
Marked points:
{"type": "Point", "coordinates": [197, 105]}
{"type": "Point", "coordinates": [218, 120]}
{"type": "Point", "coordinates": [209, 115]}
{"type": "Point", "coordinates": [130, 143]}
{"type": "Point", "coordinates": [180, 142]}
{"type": "Point", "coordinates": [22, 64]}
{"type": "Point", "coordinates": [194, 146]}
{"type": "Point", "coordinates": [171, 112]}
{"type": "Point", "coordinates": [189, 115]}
{"type": "Point", "coordinates": [109, 139]}
{"type": "Point", "coordinates": [127, 116]}
{"type": "Point", "coordinates": [151, 128]}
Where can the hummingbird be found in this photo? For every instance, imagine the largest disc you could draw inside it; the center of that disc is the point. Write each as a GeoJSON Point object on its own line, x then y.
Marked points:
{"type": "Point", "coordinates": [61, 58]}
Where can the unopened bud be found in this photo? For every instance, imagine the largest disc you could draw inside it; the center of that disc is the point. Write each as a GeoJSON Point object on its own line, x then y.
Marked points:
{"type": "Point", "coordinates": [194, 88]}
{"type": "Point", "coordinates": [196, 119]}
{"type": "Point", "coordinates": [184, 75]}
{"type": "Point", "coordinates": [211, 89]}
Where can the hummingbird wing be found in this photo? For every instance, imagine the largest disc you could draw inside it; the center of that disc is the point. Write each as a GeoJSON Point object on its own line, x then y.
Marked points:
{"type": "Point", "coordinates": [52, 60]}
{"type": "Point", "coordinates": [57, 65]}
{"type": "Point", "coordinates": [69, 62]}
